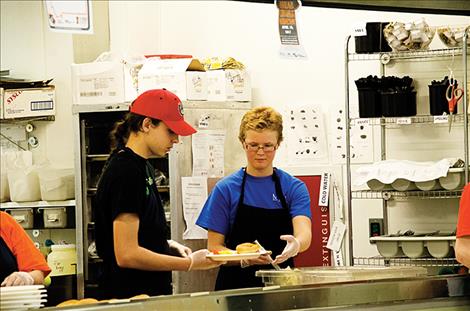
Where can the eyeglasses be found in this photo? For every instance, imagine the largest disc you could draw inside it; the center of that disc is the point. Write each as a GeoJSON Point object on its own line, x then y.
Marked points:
{"type": "Point", "coordinates": [255, 147]}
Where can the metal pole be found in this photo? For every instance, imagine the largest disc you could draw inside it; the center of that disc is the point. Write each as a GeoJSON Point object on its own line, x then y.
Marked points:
{"type": "Point", "coordinates": [465, 101]}
{"type": "Point", "coordinates": [348, 151]}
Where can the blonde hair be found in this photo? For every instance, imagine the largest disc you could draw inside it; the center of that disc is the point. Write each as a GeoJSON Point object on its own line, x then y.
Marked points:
{"type": "Point", "coordinates": [259, 119]}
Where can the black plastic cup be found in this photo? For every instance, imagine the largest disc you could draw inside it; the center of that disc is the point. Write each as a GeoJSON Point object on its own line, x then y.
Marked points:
{"type": "Point", "coordinates": [374, 41]}
{"type": "Point", "coordinates": [369, 103]}
{"type": "Point", "coordinates": [398, 104]}
{"type": "Point", "coordinates": [438, 103]}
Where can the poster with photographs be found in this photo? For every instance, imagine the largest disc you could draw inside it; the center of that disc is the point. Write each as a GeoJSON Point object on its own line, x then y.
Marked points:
{"type": "Point", "coordinates": [306, 139]}
{"type": "Point", "coordinates": [362, 147]}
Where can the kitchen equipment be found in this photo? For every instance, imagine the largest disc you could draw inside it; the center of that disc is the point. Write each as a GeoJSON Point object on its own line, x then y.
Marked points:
{"type": "Point", "coordinates": [23, 216]}
{"type": "Point", "coordinates": [453, 95]}
{"type": "Point", "coordinates": [276, 266]}
{"type": "Point", "coordinates": [428, 185]}
{"type": "Point", "coordinates": [402, 184]}
{"type": "Point", "coordinates": [54, 217]}
{"type": "Point", "coordinates": [454, 179]}
{"type": "Point", "coordinates": [318, 275]}
{"type": "Point", "coordinates": [62, 260]}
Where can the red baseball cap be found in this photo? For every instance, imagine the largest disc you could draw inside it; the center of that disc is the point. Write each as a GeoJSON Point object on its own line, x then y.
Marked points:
{"type": "Point", "coordinates": [163, 105]}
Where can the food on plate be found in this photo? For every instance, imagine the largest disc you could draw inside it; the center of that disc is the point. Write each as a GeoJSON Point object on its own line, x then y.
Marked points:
{"type": "Point", "coordinates": [247, 248]}
{"type": "Point", "coordinates": [224, 252]}
{"type": "Point", "coordinates": [87, 301]}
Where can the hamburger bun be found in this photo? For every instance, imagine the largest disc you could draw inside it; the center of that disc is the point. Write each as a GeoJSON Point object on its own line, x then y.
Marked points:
{"type": "Point", "coordinates": [87, 301]}
{"type": "Point", "coordinates": [247, 248]}
{"type": "Point", "coordinates": [70, 302]}
{"type": "Point", "coordinates": [141, 296]}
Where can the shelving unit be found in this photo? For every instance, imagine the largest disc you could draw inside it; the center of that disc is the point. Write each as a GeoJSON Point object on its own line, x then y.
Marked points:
{"type": "Point", "coordinates": [392, 122]}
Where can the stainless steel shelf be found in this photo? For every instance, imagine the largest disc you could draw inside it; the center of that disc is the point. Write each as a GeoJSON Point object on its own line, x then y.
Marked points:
{"type": "Point", "coordinates": [405, 261]}
{"type": "Point", "coordinates": [425, 54]}
{"type": "Point", "coordinates": [159, 188]}
{"type": "Point", "coordinates": [97, 157]}
{"type": "Point", "coordinates": [28, 119]}
{"type": "Point", "coordinates": [402, 195]}
{"type": "Point", "coordinates": [458, 118]}
{"type": "Point", "coordinates": [13, 205]}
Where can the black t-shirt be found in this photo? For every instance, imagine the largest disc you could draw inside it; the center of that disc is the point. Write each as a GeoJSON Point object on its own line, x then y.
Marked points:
{"type": "Point", "coordinates": [127, 185]}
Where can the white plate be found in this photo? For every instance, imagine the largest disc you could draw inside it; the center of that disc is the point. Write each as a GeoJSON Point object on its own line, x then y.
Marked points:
{"type": "Point", "coordinates": [25, 293]}
{"type": "Point", "coordinates": [234, 257]}
{"type": "Point", "coordinates": [21, 297]}
{"type": "Point", "coordinates": [22, 307]}
{"type": "Point", "coordinates": [7, 289]}
{"type": "Point", "coordinates": [22, 301]}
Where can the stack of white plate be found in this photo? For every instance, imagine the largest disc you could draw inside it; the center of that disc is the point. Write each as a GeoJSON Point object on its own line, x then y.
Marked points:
{"type": "Point", "coordinates": [22, 297]}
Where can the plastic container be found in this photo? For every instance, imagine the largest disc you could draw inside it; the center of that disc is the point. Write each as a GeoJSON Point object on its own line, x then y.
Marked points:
{"type": "Point", "coordinates": [410, 36]}
{"type": "Point", "coordinates": [440, 248]}
{"type": "Point", "coordinates": [437, 100]}
{"type": "Point", "coordinates": [317, 275]}
{"type": "Point", "coordinates": [54, 217]}
{"type": "Point", "coordinates": [24, 185]}
{"type": "Point", "coordinates": [452, 36]}
{"type": "Point", "coordinates": [56, 184]}
{"type": "Point", "coordinates": [389, 248]}
{"type": "Point", "coordinates": [62, 260]}
{"type": "Point", "coordinates": [398, 104]}
{"type": "Point", "coordinates": [374, 41]}
{"type": "Point", "coordinates": [369, 103]}
{"type": "Point", "coordinates": [23, 216]}
{"type": "Point", "coordinates": [414, 248]}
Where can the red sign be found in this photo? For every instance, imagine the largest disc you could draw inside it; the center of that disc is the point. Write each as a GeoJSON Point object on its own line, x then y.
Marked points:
{"type": "Point", "coordinates": [317, 254]}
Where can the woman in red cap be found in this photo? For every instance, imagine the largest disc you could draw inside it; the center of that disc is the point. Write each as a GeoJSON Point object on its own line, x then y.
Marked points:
{"type": "Point", "coordinates": [131, 231]}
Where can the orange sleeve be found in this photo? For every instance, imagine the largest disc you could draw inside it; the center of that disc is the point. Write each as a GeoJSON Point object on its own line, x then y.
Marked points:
{"type": "Point", "coordinates": [28, 257]}
{"type": "Point", "coordinates": [463, 223]}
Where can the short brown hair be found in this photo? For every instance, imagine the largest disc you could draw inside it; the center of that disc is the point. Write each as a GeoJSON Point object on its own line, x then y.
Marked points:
{"type": "Point", "coordinates": [259, 119]}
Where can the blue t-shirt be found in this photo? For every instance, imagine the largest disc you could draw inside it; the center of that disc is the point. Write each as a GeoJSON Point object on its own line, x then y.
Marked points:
{"type": "Point", "coordinates": [219, 211]}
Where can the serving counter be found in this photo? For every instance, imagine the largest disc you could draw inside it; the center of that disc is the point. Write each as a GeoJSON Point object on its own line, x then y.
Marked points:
{"type": "Point", "coordinates": [420, 293]}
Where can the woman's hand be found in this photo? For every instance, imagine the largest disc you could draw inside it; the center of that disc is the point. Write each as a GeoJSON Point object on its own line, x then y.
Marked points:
{"type": "Point", "coordinates": [18, 278]}
{"type": "Point", "coordinates": [181, 249]}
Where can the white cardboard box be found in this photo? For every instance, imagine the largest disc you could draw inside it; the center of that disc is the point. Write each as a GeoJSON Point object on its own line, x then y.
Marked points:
{"type": "Point", "coordinates": [98, 83]}
{"type": "Point", "coordinates": [196, 85]}
{"type": "Point", "coordinates": [1, 102]}
{"type": "Point", "coordinates": [228, 85]}
{"type": "Point", "coordinates": [33, 102]}
{"type": "Point", "coordinates": [170, 74]}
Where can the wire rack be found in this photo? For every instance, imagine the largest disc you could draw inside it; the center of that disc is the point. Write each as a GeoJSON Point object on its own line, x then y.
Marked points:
{"type": "Point", "coordinates": [405, 261]}
{"type": "Point", "coordinates": [408, 54]}
{"type": "Point", "coordinates": [458, 118]}
{"type": "Point", "coordinates": [403, 195]}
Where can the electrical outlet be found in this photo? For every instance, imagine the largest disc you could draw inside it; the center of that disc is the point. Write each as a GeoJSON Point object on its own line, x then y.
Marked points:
{"type": "Point", "coordinates": [376, 227]}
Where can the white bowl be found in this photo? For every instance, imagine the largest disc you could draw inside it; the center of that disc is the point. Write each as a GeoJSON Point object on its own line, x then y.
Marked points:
{"type": "Point", "coordinates": [401, 184]}
{"type": "Point", "coordinates": [439, 249]}
{"type": "Point", "coordinates": [414, 249]}
{"type": "Point", "coordinates": [428, 185]}
{"type": "Point", "coordinates": [454, 179]}
{"type": "Point", "coordinates": [389, 248]}
{"type": "Point", "coordinates": [377, 185]}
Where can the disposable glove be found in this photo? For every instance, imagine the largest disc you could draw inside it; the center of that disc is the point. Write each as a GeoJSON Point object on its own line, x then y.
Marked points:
{"type": "Point", "coordinates": [292, 249]}
{"type": "Point", "coordinates": [184, 251]}
{"type": "Point", "coordinates": [18, 278]}
{"type": "Point", "coordinates": [199, 261]}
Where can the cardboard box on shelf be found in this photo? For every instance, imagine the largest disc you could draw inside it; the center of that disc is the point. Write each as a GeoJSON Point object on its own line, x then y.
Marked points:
{"type": "Point", "coordinates": [98, 83]}
{"type": "Point", "coordinates": [170, 74]}
{"type": "Point", "coordinates": [31, 102]}
{"type": "Point", "coordinates": [228, 85]}
{"type": "Point", "coordinates": [1, 102]}
{"type": "Point", "coordinates": [196, 85]}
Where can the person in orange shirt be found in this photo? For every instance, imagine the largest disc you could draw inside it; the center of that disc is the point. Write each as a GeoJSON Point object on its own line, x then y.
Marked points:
{"type": "Point", "coordinates": [462, 243]}
{"type": "Point", "coordinates": [21, 263]}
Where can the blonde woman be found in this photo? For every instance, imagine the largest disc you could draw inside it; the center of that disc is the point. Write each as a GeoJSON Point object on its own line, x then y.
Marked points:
{"type": "Point", "coordinates": [258, 202]}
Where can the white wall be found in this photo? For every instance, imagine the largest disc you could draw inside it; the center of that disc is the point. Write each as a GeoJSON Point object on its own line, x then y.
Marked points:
{"type": "Point", "coordinates": [249, 33]}
{"type": "Point", "coordinates": [31, 51]}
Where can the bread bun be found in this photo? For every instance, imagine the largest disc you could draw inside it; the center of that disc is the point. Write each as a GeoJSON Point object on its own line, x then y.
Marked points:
{"type": "Point", "coordinates": [141, 296]}
{"type": "Point", "coordinates": [70, 302]}
{"type": "Point", "coordinates": [247, 248]}
{"type": "Point", "coordinates": [87, 301]}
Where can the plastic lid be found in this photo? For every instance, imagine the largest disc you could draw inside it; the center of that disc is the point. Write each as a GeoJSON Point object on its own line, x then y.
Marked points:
{"type": "Point", "coordinates": [62, 247]}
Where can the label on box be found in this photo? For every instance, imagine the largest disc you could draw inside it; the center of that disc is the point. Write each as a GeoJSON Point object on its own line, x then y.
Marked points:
{"type": "Point", "coordinates": [403, 121]}
{"type": "Point", "coordinates": [360, 30]}
{"type": "Point", "coordinates": [20, 103]}
{"type": "Point", "coordinates": [441, 119]}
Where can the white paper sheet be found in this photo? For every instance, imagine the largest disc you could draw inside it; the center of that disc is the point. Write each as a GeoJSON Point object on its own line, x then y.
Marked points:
{"type": "Point", "coordinates": [194, 195]}
{"type": "Point", "coordinates": [306, 139]}
{"type": "Point", "coordinates": [208, 153]}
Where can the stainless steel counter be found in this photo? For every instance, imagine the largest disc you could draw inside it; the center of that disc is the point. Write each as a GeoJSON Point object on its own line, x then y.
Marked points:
{"type": "Point", "coordinates": [411, 294]}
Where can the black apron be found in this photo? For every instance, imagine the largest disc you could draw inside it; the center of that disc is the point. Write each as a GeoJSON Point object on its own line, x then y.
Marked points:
{"type": "Point", "coordinates": [253, 223]}
{"type": "Point", "coordinates": [8, 263]}
{"type": "Point", "coordinates": [125, 283]}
